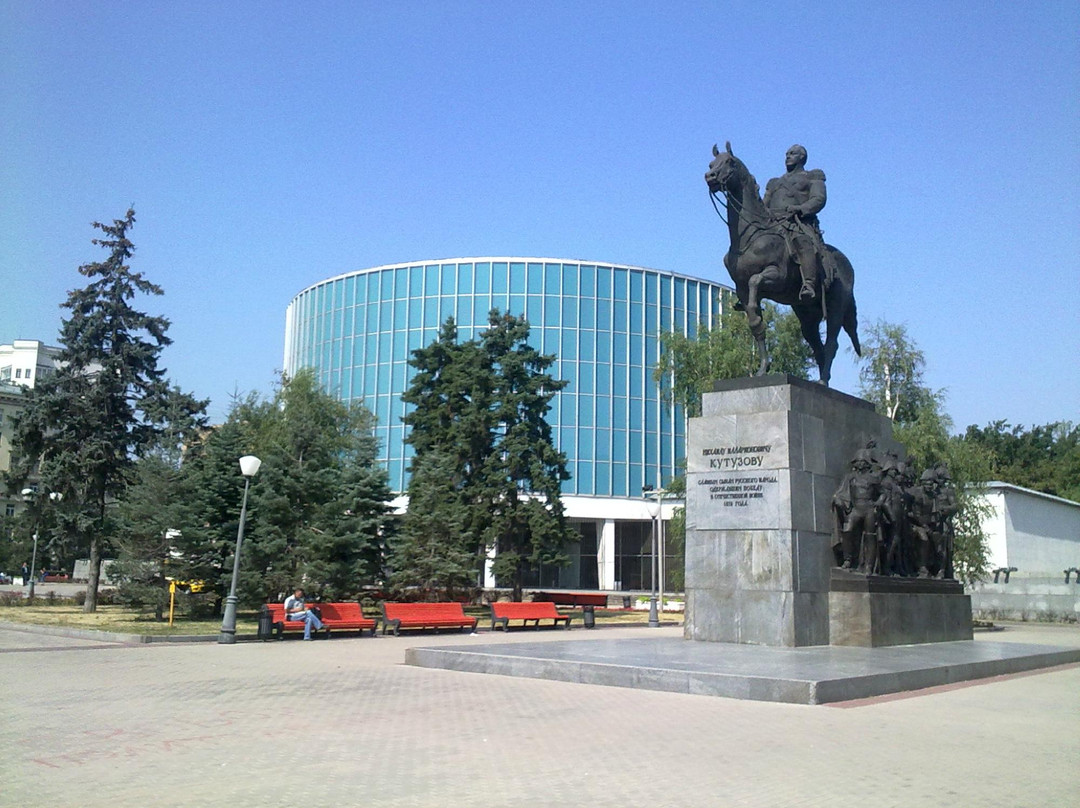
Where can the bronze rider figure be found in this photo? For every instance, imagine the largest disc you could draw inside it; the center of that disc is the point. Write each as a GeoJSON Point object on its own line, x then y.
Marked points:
{"type": "Point", "coordinates": [795, 199]}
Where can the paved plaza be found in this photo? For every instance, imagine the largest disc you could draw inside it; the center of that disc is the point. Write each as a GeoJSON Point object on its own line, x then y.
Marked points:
{"type": "Point", "coordinates": [345, 723]}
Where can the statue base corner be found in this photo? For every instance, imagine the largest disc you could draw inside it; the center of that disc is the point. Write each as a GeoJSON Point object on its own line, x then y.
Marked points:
{"type": "Point", "coordinates": [875, 611]}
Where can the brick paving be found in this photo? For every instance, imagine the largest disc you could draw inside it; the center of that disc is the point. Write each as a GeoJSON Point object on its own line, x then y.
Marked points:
{"type": "Point", "coordinates": [345, 723]}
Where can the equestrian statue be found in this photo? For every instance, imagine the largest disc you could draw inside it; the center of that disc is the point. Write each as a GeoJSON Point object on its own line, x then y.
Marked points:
{"type": "Point", "coordinates": [777, 253]}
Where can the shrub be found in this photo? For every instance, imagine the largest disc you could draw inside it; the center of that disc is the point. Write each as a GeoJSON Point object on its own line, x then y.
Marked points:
{"type": "Point", "coordinates": [198, 607]}
{"type": "Point", "coordinates": [12, 599]}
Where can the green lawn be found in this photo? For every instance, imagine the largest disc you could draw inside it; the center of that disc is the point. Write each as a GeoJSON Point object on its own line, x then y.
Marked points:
{"type": "Point", "coordinates": [121, 619]}
{"type": "Point", "coordinates": [128, 621]}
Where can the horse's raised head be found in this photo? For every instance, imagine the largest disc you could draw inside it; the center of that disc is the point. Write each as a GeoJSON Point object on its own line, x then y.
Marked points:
{"type": "Point", "coordinates": [724, 169]}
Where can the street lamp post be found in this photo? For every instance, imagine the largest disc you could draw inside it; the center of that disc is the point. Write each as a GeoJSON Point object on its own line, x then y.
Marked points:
{"type": "Point", "coordinates": [660, 546]}
{"type": "Point", "coordinates": [654, 618]}
{"type": "Point", "coordinates": [249, 467]}
{"type": "Point", "coordinates": [28, 497]}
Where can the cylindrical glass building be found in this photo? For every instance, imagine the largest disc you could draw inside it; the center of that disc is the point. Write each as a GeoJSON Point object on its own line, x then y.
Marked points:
{"type": "Point", "coordinates": [601, 321]}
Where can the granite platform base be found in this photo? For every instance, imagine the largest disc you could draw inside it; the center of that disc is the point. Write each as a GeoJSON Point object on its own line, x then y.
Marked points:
{"type": "Point", "coordinates": [873, 611]}
{"type": "Point", "coordinates": [808, 675]}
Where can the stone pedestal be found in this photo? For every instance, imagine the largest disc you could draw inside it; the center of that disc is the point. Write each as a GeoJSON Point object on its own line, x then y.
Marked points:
{"type": "Point", "coordinates": [763, 462]}
{"type": "Point", "coordinates": [875, 611]}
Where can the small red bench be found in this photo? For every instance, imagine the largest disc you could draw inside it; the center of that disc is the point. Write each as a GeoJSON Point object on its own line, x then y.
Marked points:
{"type": "Point", "coordinates": [536, 611]}
{"type": "Point", "coordinates": [598, 599]}
{"type": "Point", "coordinates": [425, 615]}
{"type": "Point", "coordinates": [333, 615]}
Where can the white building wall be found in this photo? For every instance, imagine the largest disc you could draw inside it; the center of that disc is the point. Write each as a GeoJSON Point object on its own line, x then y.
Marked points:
{"type": "Point", "coordinates": [1044, 532]}
{"type": "Point", "coordinates": [995, 528]}
{"type": "Point", "coordinates": [1037, 533]}
{"type": "Point", "coordinates": [605, 511]}
{"type": "Point", "coordinates": [25, 360]}
{"type": "Point", "coordinates": [11, 402]}
{"type": "Point", "coordinates": [22, 364]}
{"type": "Point", "coordinates": [605, 555]}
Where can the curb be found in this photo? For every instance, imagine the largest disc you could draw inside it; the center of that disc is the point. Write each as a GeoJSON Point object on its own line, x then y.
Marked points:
{"type": "Point", "coordinates": [113, 636]}
{"type": "Point", "coordinates": [121, 638]}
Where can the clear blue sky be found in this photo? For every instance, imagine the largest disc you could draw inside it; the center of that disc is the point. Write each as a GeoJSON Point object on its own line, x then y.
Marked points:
{"type": "Point", "coordinates": [267, 146]}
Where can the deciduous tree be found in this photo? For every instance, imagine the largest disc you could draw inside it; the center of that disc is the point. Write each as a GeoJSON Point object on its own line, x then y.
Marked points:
{"type": "Point", "coordinates": [892, 378]}
{"type": "Point", "coordinates": [891, 374]}
{"type": "Point", "coordinates": [689, 364]}
{"type": "Point", "coordinates": [1044, 458]}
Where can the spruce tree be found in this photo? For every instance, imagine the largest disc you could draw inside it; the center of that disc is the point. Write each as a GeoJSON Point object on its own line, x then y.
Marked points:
{"type": "Point", "coordinates": [156, 505]}
{"type": "Point", "coordinates": [148, 519]}
{"type": "Point", "coordinates": [450, 420]}
{"type": "Point", "coordinates": [428, 556]}
{"type": "Point", "coordinates": [211, 477]}
{"type": "Point", "coordinates": [353, 524]}
{"type": "Point", "coordinates": [319, 506]}
{"type": "Point", "coordinates": [108, 403]}
{"type": "Point", "coordinates": [484, 462]}
{"type": "Point", "coordinates": [525, 470]}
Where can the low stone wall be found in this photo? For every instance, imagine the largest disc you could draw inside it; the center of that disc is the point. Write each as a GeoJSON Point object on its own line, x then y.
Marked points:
{"type": "Point", "coordinates": [1030, 599]}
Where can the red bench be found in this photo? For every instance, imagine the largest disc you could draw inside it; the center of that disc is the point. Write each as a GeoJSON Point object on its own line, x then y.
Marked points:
{"type": "Point", "coordinates": [425, 615]}
{"type": "Point", "coordinates": [538, 610]}
{"type": "Point", "coordinates": [572, 598]}
{"type": "Point", "coordinates": [333, 615]}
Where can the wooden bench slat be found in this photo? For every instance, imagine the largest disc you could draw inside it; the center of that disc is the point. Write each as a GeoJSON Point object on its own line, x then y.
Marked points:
{"type": "Point", "coordinates": [536, 611]}
{"type": "Point", "coordinates": [347, 615]}
{"type": "Point", "coordinates": [425, 615]}
{"type": "Point", "coordinates": [572, 598]}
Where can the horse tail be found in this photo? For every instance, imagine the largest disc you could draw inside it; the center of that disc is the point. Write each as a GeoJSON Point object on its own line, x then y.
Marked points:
{"type": "Point", "coordinates": [845, 277]}
{"type": "Point", "coordinates": [851, 326]}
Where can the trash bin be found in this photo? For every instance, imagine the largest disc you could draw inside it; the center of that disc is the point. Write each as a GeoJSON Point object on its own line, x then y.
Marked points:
{"type": "Point", "coordinates": [266, 625]}
{"type": "Point", "coordinates": [589, 613]}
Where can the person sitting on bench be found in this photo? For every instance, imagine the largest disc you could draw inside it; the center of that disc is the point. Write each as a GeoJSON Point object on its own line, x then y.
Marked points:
{"type": "Point", "coordinates": [296, 609]}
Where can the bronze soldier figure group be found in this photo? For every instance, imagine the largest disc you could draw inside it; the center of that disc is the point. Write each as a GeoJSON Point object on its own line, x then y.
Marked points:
{"type": "Point", "coordinates": [887, 524]}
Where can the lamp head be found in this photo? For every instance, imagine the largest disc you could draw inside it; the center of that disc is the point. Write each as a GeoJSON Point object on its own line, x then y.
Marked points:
{"type": "Point", "coordinates": [249, 465]}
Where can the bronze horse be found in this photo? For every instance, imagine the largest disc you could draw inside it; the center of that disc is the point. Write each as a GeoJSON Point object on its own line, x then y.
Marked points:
{"type": "Point", "coordinates": [762, 268]}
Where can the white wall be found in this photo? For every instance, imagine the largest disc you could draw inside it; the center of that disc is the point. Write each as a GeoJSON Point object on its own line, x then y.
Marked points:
{"type": "Point", "coordinates": [1036, 533]}
{"type": "Point", "coordinates": [1044, 532]}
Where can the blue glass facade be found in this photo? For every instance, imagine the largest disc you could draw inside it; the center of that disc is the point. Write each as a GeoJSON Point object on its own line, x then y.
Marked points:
{"type": "Point", "coordinates": [602, 321]}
